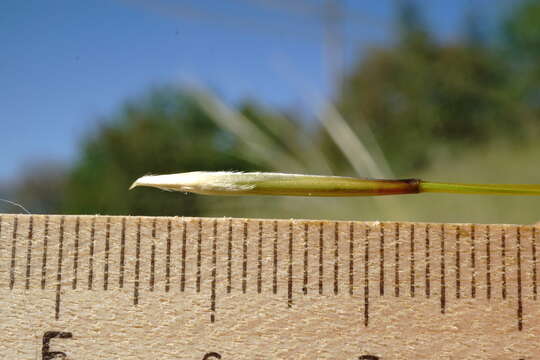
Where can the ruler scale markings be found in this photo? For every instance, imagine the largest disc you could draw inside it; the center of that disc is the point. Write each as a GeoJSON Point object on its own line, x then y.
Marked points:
{"type": "Point", "coordinates": [152, 266]}
{"type": "Point", "coordinates": [351, 258]}
{"type": "Point", "coordinates": [75, 255]}
{"type": "Point", "coordinates": [244, 257]}
{"type": "Point", "coordinates": [290, 267]}
{"type": "Point", "coordinates": [183, 255]}
{"type": "Point", "coordinates": [91, 257]}
{"type": "Point", "coordinates": [288, 250]}
{"type": "Point", "coordinates": [107, 250]}
{"type": "Point", "coordinates": [59, 269]}
{"type": "Point", "coordinates": [396, 261]}
{"type": "Point", "coordinates": [412, 262]}
{"type": "Point", "coordinates": [428, 263]}
{"type": "Point", "coordinates": [259, 257]}
{"type": "Point", "coordinates": [13, 253]}
{"type": "Point", "coordinates": [137, 264]}
{"type": "Point", "coordinates": [29, 252]}
{"type": "Point", "coordinates": [473, 261]}
{"type": "Point", "coordinates": [534, 269]}
{"type": "Point", "coordinates": [519, 289]}
{"type": "Point", "coordinates": [488, 263]}
{"type": "Point", "coordinates": [152, 279]}
{"type": "Point", "coordinates": [503, 259]}
{"type": "Point", "coordinates": [199, 255]}
{"type": "Point", "coordinates": [366, 275]}
{"type": "Point", "coordinates": [275, 258]}
{"type": "Point", "coordinates": [122, 253]}
{"type": "Point", "coordinates": [229, 258]}
{"type": "Point", "coordinates": [443, 272]}
{"type": "Point", "coordinates": [321, 268]}
{"type": "Point", "coordinates": [306, 259]}
{"type": "Point", "coordinates": [458, 262]}
{"type": "Point", "coordinates": [381, 259]}
{"type": "Point", "coordinates": [168, 257]}
{"type": "Point", "coordinates": [214, 273]}
{"type": "Point", "coordinates": [336, 258]}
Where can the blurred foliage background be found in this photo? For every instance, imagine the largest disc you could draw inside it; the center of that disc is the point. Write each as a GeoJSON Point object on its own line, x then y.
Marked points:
{"type": "Point", "coordinates": [465, 111]}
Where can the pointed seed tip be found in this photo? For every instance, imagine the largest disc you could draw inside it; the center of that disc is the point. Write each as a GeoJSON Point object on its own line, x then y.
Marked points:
{"type": "Point", "coordinates": [134, 185]}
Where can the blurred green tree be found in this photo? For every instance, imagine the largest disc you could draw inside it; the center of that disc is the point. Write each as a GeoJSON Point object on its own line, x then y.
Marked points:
{"type": "Point", "coordinates": [420, 97]}
{"type": "Point", "coordinates": [522, 31]}
{"type": "Point", "coordinates": [521, 39]}
{"type": "Point", "coordinates": [165, 131]}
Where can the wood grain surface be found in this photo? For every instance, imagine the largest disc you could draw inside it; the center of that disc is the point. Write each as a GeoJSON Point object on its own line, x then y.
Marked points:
{"type": "Point", "coordinates": [105, 287]}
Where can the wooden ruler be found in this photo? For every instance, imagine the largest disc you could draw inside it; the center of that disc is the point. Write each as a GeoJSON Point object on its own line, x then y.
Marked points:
{"type": "Point", "coordinates": [99, 287]}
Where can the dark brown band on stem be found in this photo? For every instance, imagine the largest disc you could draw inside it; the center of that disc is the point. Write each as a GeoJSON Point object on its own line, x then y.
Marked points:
{"type": "Point", "coordinates": [401, 186]}
{"type": "Point", "coordinates": [414, 185]}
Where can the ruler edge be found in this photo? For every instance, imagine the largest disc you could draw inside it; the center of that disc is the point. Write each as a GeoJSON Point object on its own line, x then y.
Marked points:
{"type": "Point", "coordinates": [282, 220]}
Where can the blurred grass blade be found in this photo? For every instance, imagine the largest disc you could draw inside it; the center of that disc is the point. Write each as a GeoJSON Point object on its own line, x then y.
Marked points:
{"type": "Point", "coordinates": [299, 143]}
{"type": "Point", "coordinates": [350, 145]}
{"type": "Point", "coordinates": [374, 149]}
{"type": "Point", "coordinates": [261, 148]}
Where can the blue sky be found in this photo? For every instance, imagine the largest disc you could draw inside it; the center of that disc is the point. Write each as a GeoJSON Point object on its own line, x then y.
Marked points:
{"type": "Point", "coordinates": [64, 65]}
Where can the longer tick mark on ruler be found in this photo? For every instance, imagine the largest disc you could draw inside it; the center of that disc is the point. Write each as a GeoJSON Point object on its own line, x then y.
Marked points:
{"type": "Point", "coordinates": [458, 262]}
{"type": "Point", "coordinates": [229, 257]}
{"type": "Point", "coordinates": [137, 264]}
{"type": "Point", "coordinates": [153, 257]}
{"type": "Point", "coordinates": [336, 258]}
{"type": "Point", "coordinates": [275, 257]}
{"type": "Point", "coordinates": [396, 262]}
{"type": "Point", "coordinates": [168, 258]}
{"type": "Point", "coordinates": [366, 275]}
{"type": "Point", "coordinates": [152, 267]}
{"type": "Point", "coordinates": [488, 263]}
{"type": "Point", "coordinates": [259, 257]}
{"type": "Point", "coordinates": [503, 259]}
{"type": "Point", "coordinates": [321, 259]}
{"type": "Point", "coordinates": [381, 259]}
{"type": "Point", "coordinates": [443, 271]}
{"type": "Point", "coordinates": [59, 269]}
{"type": "Point", "coordinates": [519, 289]}
{"type": "Point", "coordinates": [351, 258]}
{"type": "Point", "coordinates": [13, 253]}
{"type": "Point", "coordinates": [412, 262]}
{"type": "Point", "coordinates": [473, 261]}
{"type": "Point", "coordinates": [244, 257]}
{"type": "Point", "coordinates": [214, 274]}
{"type": "Point", "coordinates": [29, 252]}
{"type": "Point", "coordinates": [428, 263]}
{"type": "Point", "coordinates": [91, 258]}
{"type": "Point", "coordinates": [122, 254]}
{"type": "Point", "coordinates": [290, 280]}
{"type": "Point", "coordinates": [199, 255]}
{"type": "Point", "coordinates": [534, 266]}
{"type": "Point", "coordinates": [75, 256]}
{"type": "Point", "coordinates": [183, 255]}
{"type": "Point", "coordinates": [107, 250]}
{"type": "Point", "coordinates": [306, 259]}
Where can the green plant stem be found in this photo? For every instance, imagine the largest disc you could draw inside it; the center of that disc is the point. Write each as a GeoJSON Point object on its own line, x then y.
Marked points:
{"type": "Point", "coordinates": [483, 189]}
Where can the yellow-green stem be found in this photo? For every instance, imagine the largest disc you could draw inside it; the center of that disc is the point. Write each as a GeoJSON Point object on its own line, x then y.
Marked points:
{"type": "Point", "coordinates": [486, 189]}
